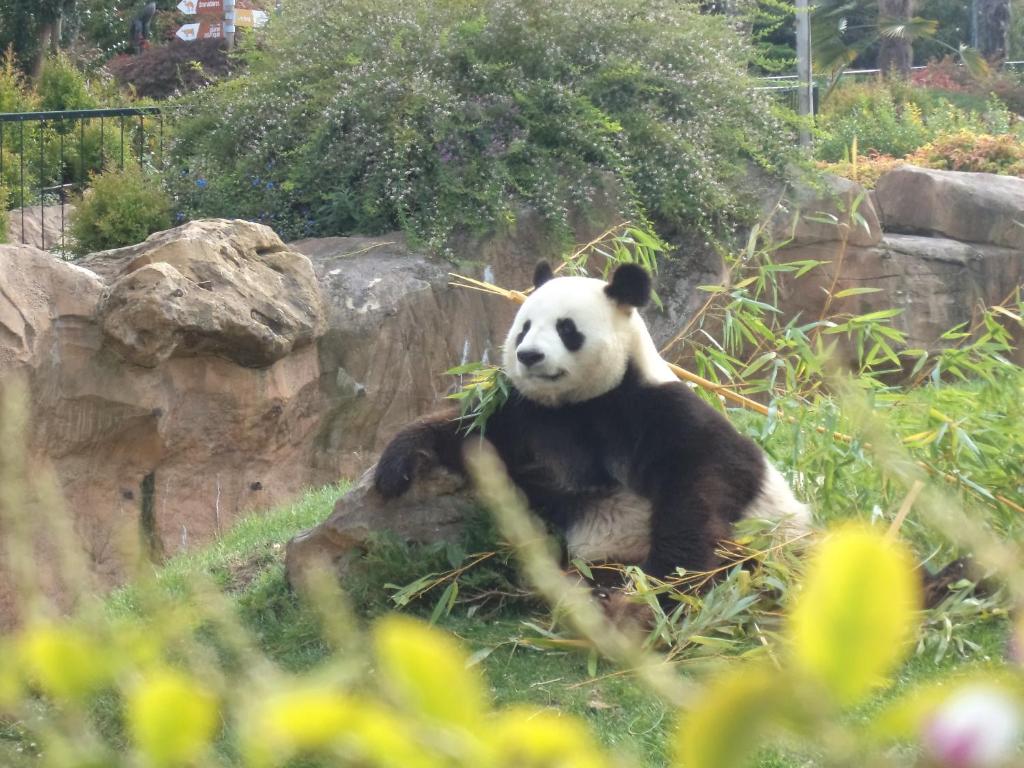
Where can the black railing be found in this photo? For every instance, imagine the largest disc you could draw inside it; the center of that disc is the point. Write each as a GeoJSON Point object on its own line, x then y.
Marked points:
{"type": "Point", "coordinates": [787, 92]}
{"type": "Point", "coordinates": [38, 164]}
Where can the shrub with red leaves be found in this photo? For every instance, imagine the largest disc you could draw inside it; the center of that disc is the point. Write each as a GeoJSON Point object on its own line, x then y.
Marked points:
{"type": "Point", "coordinates": [178, 67]}
{"type": "Point", "coordinates": [945, 74]}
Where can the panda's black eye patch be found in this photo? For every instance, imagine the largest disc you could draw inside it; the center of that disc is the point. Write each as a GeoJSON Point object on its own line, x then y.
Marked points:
{"type": "Point", "coordinates": [569, 334]}
{"type": "Point", "coordinates": [522, 333]}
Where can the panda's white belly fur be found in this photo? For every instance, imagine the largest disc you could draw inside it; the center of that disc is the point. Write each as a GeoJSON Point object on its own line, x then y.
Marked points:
{"type": "Point", "coordinates": [617, 529]}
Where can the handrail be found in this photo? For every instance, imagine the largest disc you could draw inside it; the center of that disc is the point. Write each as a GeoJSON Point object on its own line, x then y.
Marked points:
{"type": "Point", "coordinates": [77, 114]}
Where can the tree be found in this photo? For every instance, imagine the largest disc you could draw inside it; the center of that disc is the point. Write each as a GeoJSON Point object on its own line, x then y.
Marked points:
{"type": "Point", "coordinates": [896, 48]}
{"type": "Point", "coordinates": [842, 30]}
{"type": "Point", "coordinates": [35, 29]}
{"type": "Point", "coordinates": [993, 20]}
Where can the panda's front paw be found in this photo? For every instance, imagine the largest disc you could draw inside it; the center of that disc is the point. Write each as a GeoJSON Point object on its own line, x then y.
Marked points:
{"type": "Point", "coordinates": [394, 473]}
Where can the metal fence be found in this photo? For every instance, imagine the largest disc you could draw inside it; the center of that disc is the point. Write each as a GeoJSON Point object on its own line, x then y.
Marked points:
{"type": "Point", "coordinates": [47, 157]}
{"type": "Point", "coordinates": [787, 92]}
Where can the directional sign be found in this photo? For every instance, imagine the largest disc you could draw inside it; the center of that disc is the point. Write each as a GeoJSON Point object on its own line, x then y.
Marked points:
{"type": "Point", "coordinates": [251, 17]}
{"type": "Point", "coordinates": [200, 30]}
{"type": "Point", "coordinates": [202, 7]}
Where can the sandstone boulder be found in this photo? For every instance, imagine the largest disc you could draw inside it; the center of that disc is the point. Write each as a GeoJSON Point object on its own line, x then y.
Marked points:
{"type": "Point", "coordinates": [394, 327]}
{"type": "Point", "coordinates": [170, 454]}
{"type": "Point", "coordinates": [937, 282]}
{"type": "Point", "coordinates": [215, 287]}
{"type": "Point", "coordinates": [435, 509]}
{"type": "Point", "coordinates": [42, 227]}
{"type": "Point", "coordinates": [821, 212]}
{"type": "Point", "coordinates": [971, 207]}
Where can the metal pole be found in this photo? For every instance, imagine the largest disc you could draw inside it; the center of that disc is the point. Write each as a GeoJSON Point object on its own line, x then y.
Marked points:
{"type": "Point", "coordinates": [803, 67]}
{"type": "Point", "coordinates": [974, 24]}
{"type": "Point", "coordinates": [229, 23]}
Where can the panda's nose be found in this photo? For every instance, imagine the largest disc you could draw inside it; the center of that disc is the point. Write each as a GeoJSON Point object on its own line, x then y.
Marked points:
{"type": "Point", "coordinates": [529, 357]}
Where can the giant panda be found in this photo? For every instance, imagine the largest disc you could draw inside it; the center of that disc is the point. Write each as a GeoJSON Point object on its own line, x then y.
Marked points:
{"type": "Point", "coordinates": [605, 442]}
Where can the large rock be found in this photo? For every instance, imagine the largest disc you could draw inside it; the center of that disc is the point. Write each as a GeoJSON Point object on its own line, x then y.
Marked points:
{"type": "Point", "coordinates": [43, 227]}
{"type": "Point", "coordinates": [937, 282]}
{"type": "Point", "coordinates": [972, 207]}
{"type": "Point", "coordinates": [170, 454]}
{"type": "Point", "coordinates": [434, 509]}
{"type": "Point", "coordinates": [165, 417]}
{"type": "Point", "coordinates": [825, 211]}
{"type": "Point", "coordinates": [215, 287]}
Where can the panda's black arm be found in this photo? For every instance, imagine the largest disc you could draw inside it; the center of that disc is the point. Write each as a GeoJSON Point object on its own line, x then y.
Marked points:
{"type": "Point", "coordinates": [699, 474]}
{"type": "Point", "coordinates": [434, 439]}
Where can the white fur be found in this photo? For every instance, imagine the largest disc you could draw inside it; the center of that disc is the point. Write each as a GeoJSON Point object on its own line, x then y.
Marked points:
{"type": "Point", "coordinates": [614, 336]}
{"type": "Point", "coordinates": [776, 502]}
{"type": "Point", "coordinates": [616, 529]}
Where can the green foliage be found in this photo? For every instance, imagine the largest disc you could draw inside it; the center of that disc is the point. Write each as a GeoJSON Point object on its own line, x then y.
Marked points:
{"type": "Point", "coordinates": [122, 208]}
{"type": "Point", "coordinates": [894, 119]}
{"type": "Point", "coordinates": [870, 115]}
{"type": "Point", "coordinates": [62, 86]}
{"type": "Point", "coordinates": [23, 22]}
{"type": "Point", "coordinates": [865, 170]}
{"type": "Point", "coordinates": [978, 153]}
{"type": "Point", "coordinates": [443, 119]}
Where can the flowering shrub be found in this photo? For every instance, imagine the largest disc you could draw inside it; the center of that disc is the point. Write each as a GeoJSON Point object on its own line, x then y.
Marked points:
{"type": "Point", "coordinates": [946, 74]}
{"type": "Point", "coordinates": [445, 118]}
{"type": "Point", "coordinates": [980, 153]}
{"type": "Point", "coordinates": [121, 208]}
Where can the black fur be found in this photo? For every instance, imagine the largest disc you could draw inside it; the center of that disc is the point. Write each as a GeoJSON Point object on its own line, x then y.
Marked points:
{"type": "Point", "coordinates": [570, 334]}
{"type": "Point", "coordinates": [660, 441]}
{"type": "Point", "coordinates": [630, 285]}
{"type": "Point", "coordinates": [522, 333]}
{"type": "Point", "coordinates": [542, 273]}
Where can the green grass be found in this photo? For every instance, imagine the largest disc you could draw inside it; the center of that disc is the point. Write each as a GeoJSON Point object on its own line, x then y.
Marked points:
{"type": "Point", "coordinates": [247, 564]}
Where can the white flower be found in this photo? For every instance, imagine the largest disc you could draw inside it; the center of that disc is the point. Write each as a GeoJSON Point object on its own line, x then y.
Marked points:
{"type": "Point", "coordinates": [977, 727]}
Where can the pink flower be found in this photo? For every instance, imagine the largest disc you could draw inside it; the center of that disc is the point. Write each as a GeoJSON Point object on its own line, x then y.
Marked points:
{"type": "Point", "coordinates": [977, 727]}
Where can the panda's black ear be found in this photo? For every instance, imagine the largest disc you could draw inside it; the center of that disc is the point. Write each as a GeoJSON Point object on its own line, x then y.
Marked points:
{"type": "Point", "coordinates": [541, 274]}
{"type": "Point", "coordinates": [630, 285]}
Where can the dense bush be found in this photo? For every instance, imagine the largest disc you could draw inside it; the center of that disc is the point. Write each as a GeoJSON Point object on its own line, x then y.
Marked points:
{"type": "Point", "coordinates": [966, 151]}
{"type": "Point", "coordinates": [442, 118]}
{"type": "Point", "coordinates": [869, 114]}
{"type": "Point", "coordinates": [895, 119]}
{"type": "Point", "coordinates": [123, 207]}
{"type": "Point", "coordinates": [164, 70]}
{"type": "Point", "coordinates": [62, 86]}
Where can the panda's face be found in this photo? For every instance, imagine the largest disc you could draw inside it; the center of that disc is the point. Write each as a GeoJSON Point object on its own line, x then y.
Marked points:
{"type": "Point", "coordinates": [572, 339]}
